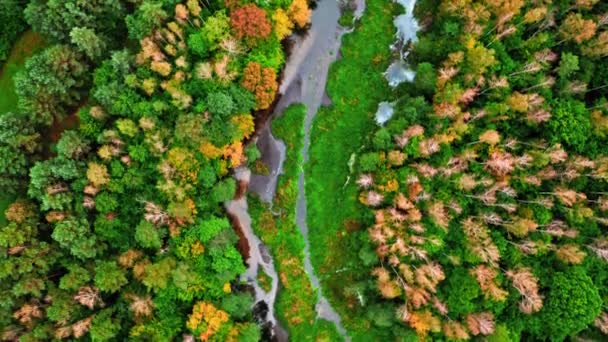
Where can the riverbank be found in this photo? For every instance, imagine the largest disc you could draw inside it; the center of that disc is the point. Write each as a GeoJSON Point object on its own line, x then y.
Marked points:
{"type": "Point", "coordinates": [356, 85]}
{"type": "Point", "coordinates": [276, 226]}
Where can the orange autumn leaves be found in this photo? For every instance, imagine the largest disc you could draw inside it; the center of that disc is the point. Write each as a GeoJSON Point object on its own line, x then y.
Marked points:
{"type": "Point", "coordinates": [206, 319]}
{"type": "Point", "coordinates": [262, 82]}
{"type": "Point", "coordinates": [299, 13]}
{"type": "Point", "coordinates": [233, 153]}
{"type": "Point", "coordinates": [250, 22]}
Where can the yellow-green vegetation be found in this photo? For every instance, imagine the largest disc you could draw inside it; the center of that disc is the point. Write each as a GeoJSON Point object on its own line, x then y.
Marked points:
{"type": "Point", "coordinates": [296, 300]}
{"type": "Point", "coordinates": [258, 167]}
{"type": "Point", "coordinates": [264, 280]}
{"type": "Point", "coordinates": [356, 86]}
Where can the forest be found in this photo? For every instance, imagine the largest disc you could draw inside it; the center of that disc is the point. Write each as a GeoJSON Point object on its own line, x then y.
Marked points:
{"type": "Point", "coordinates": [116, 155]}
{"type": "Point", "coordinates": [477, 211]}
{"type": "Point", "coordinates": [450, 183]}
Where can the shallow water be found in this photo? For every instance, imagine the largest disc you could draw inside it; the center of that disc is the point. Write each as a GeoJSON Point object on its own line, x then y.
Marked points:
{"type": "Point", "coordinates": [258, 257]}
{"type": "Point", "coordinates": [305, 76]}
{"type": "Point", "coordinates": [407, 28]}
{"type": "Point", "coordinates": [304, 81]}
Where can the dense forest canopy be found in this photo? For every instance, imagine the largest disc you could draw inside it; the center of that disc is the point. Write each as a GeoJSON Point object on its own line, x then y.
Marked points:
{"type": "Point", "coordinates": [487, 190]}
{"type": "Point", "coordinates": [119, 232]}
{"type": "Point", "coordinates": [474, 205]}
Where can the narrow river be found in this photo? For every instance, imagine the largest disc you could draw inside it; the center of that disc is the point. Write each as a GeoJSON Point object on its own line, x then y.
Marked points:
{"type": "Point", "coordinates": [304, 81]}
{"type": "Point", "coordinates": [258, 257]}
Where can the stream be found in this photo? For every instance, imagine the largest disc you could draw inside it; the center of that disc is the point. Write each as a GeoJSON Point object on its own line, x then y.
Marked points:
{"type": "Point", "coordinates": [257, 256]}
{"type": "Point", "coordinates": [304, 81]}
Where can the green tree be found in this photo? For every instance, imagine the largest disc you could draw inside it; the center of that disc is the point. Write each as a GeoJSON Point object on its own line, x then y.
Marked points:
{"type": "Point", "coordinates": [244, 101]}
{"type": "Point", "coordinates": [369, 161]}
{"type": "Point", "coordinates": [216, 28]}
{"type": "Point", "coordinates": [13, 23]}
{"type": "Point", "coordinates": [157, 275]}
{"type": "Point", "coordinates": [223, 190]}
{"type": "Point", "coordinates": [75, 278]}
{"type": "Point", "coordinates": [75, 235]}
{"type": "Point", "coordinates": [148, 17]}
{"type": "Point", "coordinates": [72, 145]}
{"type": "Point", "coordinates": [87, 41]}
{"type": "Point", "coordinates": [567, 65]}
{"type": "Point", "coordinates": [425, 81]}
{"type": "Point", "coordinates": [56, 18]}
{"type": "Point", "coordinates": [238, 305]}
{"type": "Point", "coordinates": [18, 144]}
{"type": "Point", "coordinates": [572, 303]}
{"type": "Point", "coordinates": [463, 290]}
{"type": "Point", "coordinates": [570, 125]}
{"type": "Point", "coordinates": [198, 44]}
{"type": "Point", "coordinates": [53, 81]}
{"type": "Point", "coordinates": [109, 277]}
{"type": "Point", "coordinates": [220, 103]}
{"type": "Point", "coordinates": [501, 334]}
{"type": "Point", "coordinates": [208, 229]}
{"type": "Point", "coordinates": [48, 182]}
{"type": "Point", "coordinates": [147, 235]}
{"type": "Point", "coordinates": [104, 327]}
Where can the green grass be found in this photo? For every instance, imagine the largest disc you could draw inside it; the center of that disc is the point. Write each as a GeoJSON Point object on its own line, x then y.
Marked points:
{"type": "Point", "coordinates": [296, 300]}
{"type": "Point", "coordinates": [25, 46]}
{"type": "Point", "coordinates": [356, 86]}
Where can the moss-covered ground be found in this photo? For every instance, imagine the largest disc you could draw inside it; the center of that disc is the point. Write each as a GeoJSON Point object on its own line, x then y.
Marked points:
{"type": "Point", "coordinates": [356, 85]}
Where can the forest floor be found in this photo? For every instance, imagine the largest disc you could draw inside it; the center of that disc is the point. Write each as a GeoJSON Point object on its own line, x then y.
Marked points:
{"type": "Point", "coordinates": [296, 300]}
{"type": "Point", "coordinates": [25, 46]}
{"type": "Point", "coordinates": [356, 85]}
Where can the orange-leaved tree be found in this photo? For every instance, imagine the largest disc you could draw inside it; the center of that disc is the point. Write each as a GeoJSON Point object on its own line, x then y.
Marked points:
{"type": "Point", "coordinates": [250, 22]}
{"type": "Point", "coordinates": [262, 82]}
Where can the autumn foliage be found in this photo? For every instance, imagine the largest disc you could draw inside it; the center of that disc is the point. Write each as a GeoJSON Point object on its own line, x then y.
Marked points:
{"type": "Point", "coordinates": [299, 12]}
{"type": "Point", "coordinates": [262, 82]}
{"type": "Point", "coordinates": [491, 180]}
{"type": "Point", "coordinates": [124, 234]}
{"type": "Point", "coordinates": [207, 319]}
{"type": "Point", "coordinates": [250, 22]}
